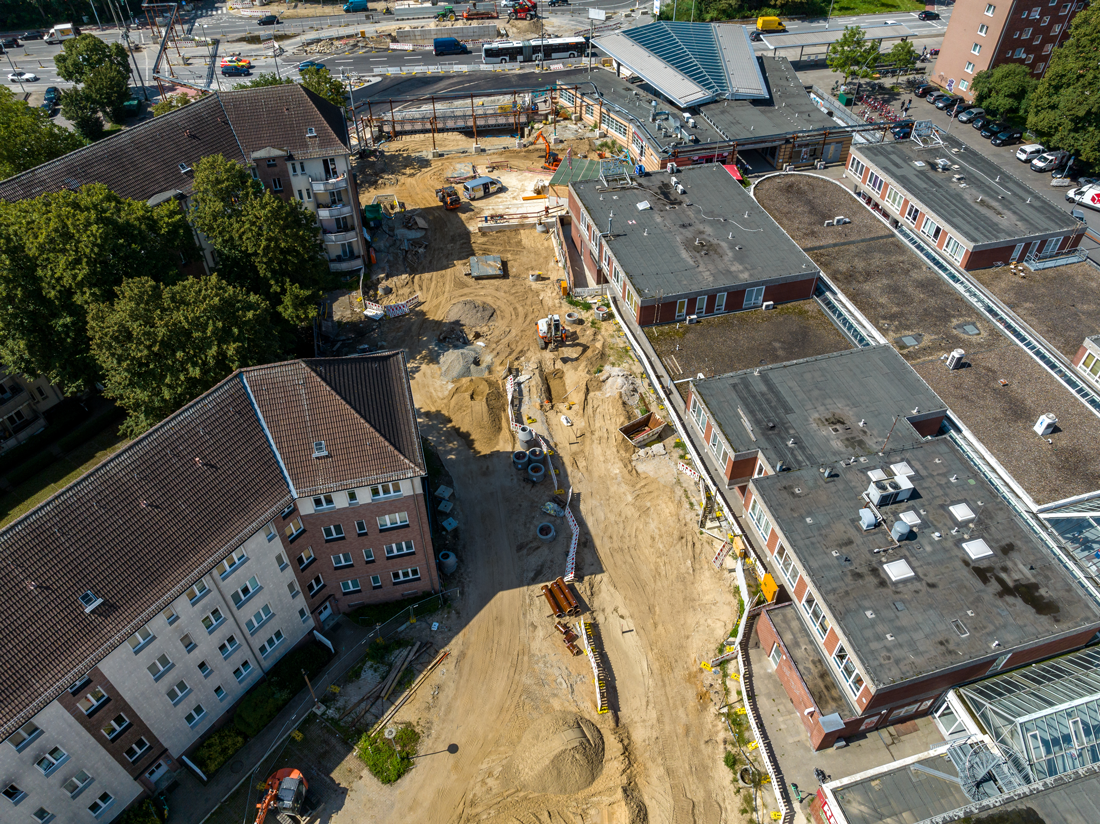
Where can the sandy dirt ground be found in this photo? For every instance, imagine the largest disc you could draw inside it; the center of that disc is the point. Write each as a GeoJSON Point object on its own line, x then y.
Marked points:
{"type": "Point", "coordinates": [510, 696]}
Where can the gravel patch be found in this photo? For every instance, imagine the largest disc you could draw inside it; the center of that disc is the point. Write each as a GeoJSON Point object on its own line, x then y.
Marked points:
{"type": "Point", "coordinates": [814, 201]}
{"type": "Point", "coordinates": [457, 364]}
{"type": "Point", "coordinates": [471, 313]}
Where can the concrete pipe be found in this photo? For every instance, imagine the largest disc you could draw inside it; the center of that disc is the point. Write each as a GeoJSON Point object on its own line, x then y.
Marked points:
{"type": "Point", "coordinates": [546, 532]}
{"type": "Point", "coordinates": [573, 317]}
{"type": "Point", "coordinates": [536, 472]}
{"type": "Point", "coordinates": [525, 434]}
{"type": "Point", "coordinates": [519, 459]}
{"type": "Point", "coordinates": [535, 455]}
{"type": "Point", "coordinates": [448, 562]}
{"type": "Point", "coordinates": [602, 313]}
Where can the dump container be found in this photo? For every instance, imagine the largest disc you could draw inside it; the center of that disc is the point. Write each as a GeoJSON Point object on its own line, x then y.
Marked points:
{"type": "Point", "coordinates": [643, 430]}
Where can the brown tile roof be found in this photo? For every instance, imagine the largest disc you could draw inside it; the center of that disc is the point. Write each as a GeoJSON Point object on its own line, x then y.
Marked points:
{"type": "Point", "coordinates": [143, 161]}
{"type": "Point", "coordinates": [142, 526]}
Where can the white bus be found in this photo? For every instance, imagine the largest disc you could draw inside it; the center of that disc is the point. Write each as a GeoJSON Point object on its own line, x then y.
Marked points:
{"type": "Point", "coordinates": [526, 51]}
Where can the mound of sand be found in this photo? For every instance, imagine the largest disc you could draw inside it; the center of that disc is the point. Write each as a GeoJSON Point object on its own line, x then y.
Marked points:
{"type": "Point", "coordinates": [617, 381]}
{"type": "Point", "coordinates": [471, 313]}
{"type": "Point", "coordinates": [476, 410]}
{"type": "Point", "coordinates": [472, 361]}
{"type": "Point", "coordinates": [561, 753]}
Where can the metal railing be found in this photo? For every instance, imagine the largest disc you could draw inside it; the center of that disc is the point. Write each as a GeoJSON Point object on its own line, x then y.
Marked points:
{"type": "Point", "coordinates": [398, 622]}
{"type": "Point", "coordinates": [1036, 262]}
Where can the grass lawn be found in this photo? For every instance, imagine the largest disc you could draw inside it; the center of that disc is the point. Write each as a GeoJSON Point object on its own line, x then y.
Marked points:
{"type": "Point", "coordinates": [58, 475]}
{"type": "Point", "coordinates": [847, 8]}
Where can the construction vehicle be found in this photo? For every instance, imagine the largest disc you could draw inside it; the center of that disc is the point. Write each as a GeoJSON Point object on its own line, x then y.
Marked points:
{"type": "Point", "coordinates": [488, 12]}
{"type": "Point", "coordinates": [551, 332]}
{"type": "Point", "coordinates": [286, 797]}
{"type": "Point", "coordinates": [448, 196]}
{"type": "Point", "coordinates": [448, 13]}
{"type": "Point", "coordinates": [524, 10]}
{"type": "Point", "coordinates": [552, 161]}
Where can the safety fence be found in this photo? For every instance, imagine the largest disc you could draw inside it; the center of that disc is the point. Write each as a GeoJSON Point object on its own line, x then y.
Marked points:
{"type": "Point", "coordinates": [463, 33]}
{"type": "Point", "coordinates": [466, 68]}
{"type": "Point", "coordinates": [599, 676]}
{"type": "Point", "coordinates": [390, 310]}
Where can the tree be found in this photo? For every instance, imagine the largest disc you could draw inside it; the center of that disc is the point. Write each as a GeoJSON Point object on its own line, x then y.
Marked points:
{"type": "Point", "coordinates": [325, 86]}
{"type": "Point", "coordinates": [1005, 90]}
{"type": "Point", "coordinates": [63, 252]}
{"type": "Point", "coordinates": [171, 103]}
{"type": "Point", "coordinates": [902, 56]}
{"type": "Point", "coordinates": [261, 80]}
{"type": "Point", "coordinates": [160, 346]}
{"type": "Point", "coordinates": [87, 52]}
{"type": "Point", "coordinates": [107, 87]}
{"type": "Point", "coordinates": [28, 138]}
{"type": "Point", "coordinates": [1065, 108]}
{"type": "Point", "coordinates": [83, 112]}
{"type": "Point", "coordinates": [852, 55]}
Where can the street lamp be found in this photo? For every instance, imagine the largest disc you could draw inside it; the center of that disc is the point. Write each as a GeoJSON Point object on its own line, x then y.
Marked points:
{"type": "Point", "coordinates": [210, 50]}
{"type": "Point", "coordinates": [830, 14]}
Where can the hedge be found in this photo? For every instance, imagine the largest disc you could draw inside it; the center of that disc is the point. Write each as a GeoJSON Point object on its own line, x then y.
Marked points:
{"type": "Point", "coordinates": [287, 674]}
{"type": "Point", "coordinates": [29, 469]}
{"type": "Point", "coordinates": [259, 707]}
{"type": "Point", "coordinates": [219, 748]}
{"type": "Point", "coordinates": [89, 429]}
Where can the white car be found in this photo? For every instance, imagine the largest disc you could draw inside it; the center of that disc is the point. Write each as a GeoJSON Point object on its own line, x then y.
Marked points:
{"type": "Point", "coordinates": [22, 77]}
{"type": "Point", "coordinates": [1029, 152]}
{"type": "Point", "coordinates": [1085, 196]}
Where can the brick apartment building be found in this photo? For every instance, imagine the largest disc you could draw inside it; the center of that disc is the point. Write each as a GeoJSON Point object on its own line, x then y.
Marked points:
{"type": "Point", "coordinates": [147, 597]}
{"type": "Point", "coordinates": [902, 572]}
{"type": "Point", "coordinates": [982, 35]}
{"type": "Point", "coordinates": [668, 255]}
{"type": "Point", "coordinates": [294, 142]}
{"type": "Point", "coordinates": [22, 401]}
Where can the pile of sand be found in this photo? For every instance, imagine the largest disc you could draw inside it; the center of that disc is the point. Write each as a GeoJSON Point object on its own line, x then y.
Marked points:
{"type": "Point", "coordinates": [473, 361]}
{"type": "Point", "coordinates": [471, 313]}
{"type": "Point", "coordinates": [561, 753]}
{"type": "Point", "coordinates": [476, 410]}
{"type": "Point", "coordinates": [617, 381]}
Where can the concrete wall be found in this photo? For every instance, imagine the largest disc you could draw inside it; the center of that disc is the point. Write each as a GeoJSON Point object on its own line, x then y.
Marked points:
{"type": "Point", "coordinates": [480, 31]}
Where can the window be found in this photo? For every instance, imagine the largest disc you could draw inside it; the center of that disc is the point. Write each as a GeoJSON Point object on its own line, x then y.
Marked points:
{"type": "Point", "coordinates": [403, 548]}
{"type": "Point", "coordinates": [786, 564]}
{"type": "Point", "coordinates": [760, 519]}
{"type": "Point", "coordinates": [294, 529]}
{"type": "Point", "coordinates": [277, 184]}
{"type": "Point", "coordinates": [323, 502]}
{"type": "Point", "coordinates": [219, 692]}
{"type": "Point", "coordinates": [1030, 57]}
{"type": "Point", "coordinates": [856, 167]}
{"type": "Point", "coordinates": [294, 169]}
{"type": "Point", "coordinates": [360, 527]}
{"type": "Point", "coordinates": [105, 800]}
{"type": "Point", "coordinates": [309, 194]}
{"type": "Point", "coordinates": [292, 588]}
{"type": "Point", "coordinates": [280, 559]}
{"type": "Point", "coordinates": [348, 587]}
{"type": "Point", "coordinates": [848, 670]}
{"type": "Point", "coordinates": [136, 750]}
{"type": "Point", "coordinates": [720, 303]}
{"type": "Point", "coordinates": [776, 655]}
{"type": "Point", "coordinates": [1047, 48]}
{"type": "Point", "coordinates": [1057, 28]}
{"type": "Point", "coordinates": [701, 305]}
{"type": "Point", "coordinates": [761, 470]}
{"type": "Point", "coordinates": [1026, 33]}
{"type": "Point", "coordinates": [229, 646]}
{"type": "Point", "coordinates": [989, 9]}
{"type": "Point", "coordinates": [895, 199]}
{"type": "Point", "coordinates": [52, 760]}
{"type": "Point", "coordinates": [306, 558]}
{"type": "Point", "coordinates": [92, 701]}
{"type": "Point", "coordinates": [231, 563]}
{"type": "Point", "coordinates": [245, 591]}
{"type": "Point", "coordinates": [1039, 68]}
{"type": "Point", "coordinates": [188, 642]}
{"type": "Point", "coordinates": [1018, 53]}
{"type": "Point", "coordinates": [160, 666]}
{"type": "Point", "coordinates": [353, 498]}
{"type": "Point", "coordinates": [969, 67]}
{"type": "Point", "coordinates": [983, 29]}
{"type": "Point", "coordinates": [930, 228]}
{"type": "Point", "coordinates": [25, 734]}
{"type": "Point", "coordinates": [113, 728]}
{"type": "Point", "coordinates": [42, 815]}
{"type": "Point", "coordinates": [912, 213]}
{"type": "Point", "coordinates": [269, 532]}
{"type": "Point", "coordinates": [177, 691]}
{"type": "Point", "coordinates": [196, 715]}
{"type": "Point", "coordinates": [170, 616]}
{"type": "Point", "coordinates": [698, 415]}
{"type": "Point", "coordinates": [333, 533]}
{"type": "Point", "coordinates": [316, 585]}
{"type": "Point", "coordinates": [139, 639]}
{"type": "Point", "coordinates": [368, 556]}
{"type": "Point", "coordinates": [241, 672]}
{"type": "Point", "coordinates": [204, 669]}
{"type": "Point", "coordinates": [964, 85]}
{"type": "Point", "coordinates": [271, 163]}
{"type": "Point", "coordinates": [303, 615]}
{"type": "Point", "coordinates": [1064, 9]}
{"type": "Point", "coordinates": [817, 615]}
{"type": "Point", "coordinates": [754, 297]}
{"type": "Point", "coordinates": [954, 249]}
{"type": "Point", "coordinates": [400, 575]}
{"type": "Point", "coordinates": [85, 681]}
{"type": "Point", "coordinates": [1045, 21]}
{"type": "Point", "coordinates": [394, 521]}
{"type": "Point", "coordinates": [267, 646]}
{"type": "Point", "coordinates": [381, 492]}
{"type": "Point", "coordinates": [286, 512]}
{"type": "Point", "coordinates": [213, 619]}
{"type": "Point", "coordinates": [1035, 13]}
{"type": "Point", "coordinates": [342, 560]}
{"type": "Point", "coordinates": [976, 48]}
{"type": "Point", "coordinates": [197, 591]}
{"type": "Point", "coordinates": [875, 182]}
{"type": "Point", "coordinates": [375, 582]}
{"type": "Point", "coordinates": [717, 448]}
{"type": "Point", "coordinates": [259, 617]}
{"type": "Point", "coordinates": [13, 793]}
{"type": "Point", "coordinates": [77, 783]}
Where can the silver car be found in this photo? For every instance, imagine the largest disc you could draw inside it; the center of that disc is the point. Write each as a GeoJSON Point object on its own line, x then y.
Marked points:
{"type": "Point", "coordinates": [1029, 152]}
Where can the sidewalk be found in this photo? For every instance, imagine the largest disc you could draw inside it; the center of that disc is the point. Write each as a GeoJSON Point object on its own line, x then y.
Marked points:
{"type": "Point", "coordinates": [191, 802]}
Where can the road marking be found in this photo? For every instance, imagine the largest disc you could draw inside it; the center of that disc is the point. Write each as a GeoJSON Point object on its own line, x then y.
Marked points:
{"type": "Point", "coordinates": [378, 60]}
{"type": "Point", "coordinates": [349, 60]}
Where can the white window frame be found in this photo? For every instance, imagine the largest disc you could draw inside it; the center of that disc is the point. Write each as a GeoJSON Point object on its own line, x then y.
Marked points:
{"type": "Point", "coordinates": [818, 619]}
{"type": "Point", "coordinates": [983, 30]}
{"type": "Point", "coordinates": [50, 761]}
{"type": "Point", "coordinates": [849, 674]}
{"type": "Point", "coordinates": [204, 669]}
{"type": "Point", "coordinates": [857, 167]}
{"type": "Point", "coordinates": [142, 637]}
{"type": "Point", "coordinates": [720, 302]}
{"type": "Point", "coordinates": [376, 581]}
{"type": "Point", "coordinates": [368, 556]}
{"type": "Point", "coordinates": [353, 497]}
{"type": "Point", "coordinates": [259, 618]}
{"type": "Point", "coordinates": [785, 561]}
{"type": "Point", "coordinates": [360, 527]}
{"type": "Point", "coordinates": [894, 199]}
{"type": "Point", "coordinates": [933, 235]}
{"type": "Point", "coordinates": [342, 560]}
{"type": "Point", "coordinates": [229, 565]}
{"type": "Point", "coordinates": [964, 85]}
{"type": "Point", "coordinates": [198, 591]}
{"type": "Point", "coordinates": [212, 620]}
{"type": "Point", "coordinates": [976, 48]}
{"type": "Point", "coordinates": [303, 613]}
{"type": "Point", "coordinates": [242, 672]}
{"type": "Point", "coordinates": [170, 615]}
{"type": "Point", "coordinates": [990, 9]}
{"type": "Point", "coordinates": [969, 67]}
{"type": "Point", "coordinates": [242, 594]}
{"type": "Point", "coordinates": [305, 558]}
{"type": "Point", "coordinates": [180, 694]}
{"type": "Point", "coordinates": [385, 492]}
{"type": "Point", "coordinates": [953, 249]}
{"type": "Point", "coordinates": [115, 728]}
{"type": "Point", "coordinates": [701, 305]}
{"type": "Point", "coordinates": [760, 519]}
{"type": "Point", "coordinates": [350, 586]}
{"type": "Point", "coordinates": [77, 783]}
{"type": "Point", "coordinates": [698, 415]}
{"type": "Point", "coordinates": [681, 309]}
{"type": "Point", "coordinates": [188, 642]}
{"type": "Point", "coordinates": [220, 693]}
{"type": "Point", "coordinates": [25, 734]}
{"type": "Point", "coordinates": [323, 503]}
{"type": "Point", "coordinates": [269, 646]}
{"type": "Point", "coordinates": [753, 297]}
{"type": "Point", "coordinates": [96, 698]}
{"type": "Point", "coordinates": [875, 183]}
{"type": "Point", "coordinates": [718, 449]}
{"type": "Point", "coordinates": [395, 520]}
{"type": "Point", "coordinates": [229, 646]}
{"type": "Point", "coordinates": [316, 585]}
{"type": "Point", "coordinates": [294, 529]}
{"type": "Point", "coordinates": [102, 803]}
{"type": "Point", "coordinates": [196, 714]}
{"type": "Point", "coordinates": [333, 532]}
{"type": "Point", "coordinates": [400, 549]}
{"type": "Point", "coordinates": [161, 666]}
{"type": "Point", "coordinates": [400, 576]}
{"type": "Point", "coordinates": [16, 796]}
{"type": "Point", "coordinates": [911, 214]}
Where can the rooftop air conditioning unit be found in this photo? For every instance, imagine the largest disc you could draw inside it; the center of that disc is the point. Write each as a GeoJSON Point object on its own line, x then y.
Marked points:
{"type": "Point", "coordinates": [955, 359]}
{"type": "Point", "coordinates": [693, 318]}
{"type": "Point", "coordinates": [890, 490]}
{"type": "Point", "coordinates": [1045, 425]}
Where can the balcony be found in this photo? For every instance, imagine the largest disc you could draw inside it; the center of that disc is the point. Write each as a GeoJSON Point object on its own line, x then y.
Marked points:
{"type": "Point", "coordinates": [333, 212]}
{"type": "Point", "coordinates": [345, 264]}
{"type": "Point", "coordinates": [336, 184]}
{"type": "Point", "coordinates": [339, 237]}
{"type": "Point", "coordinates": [11, 397]}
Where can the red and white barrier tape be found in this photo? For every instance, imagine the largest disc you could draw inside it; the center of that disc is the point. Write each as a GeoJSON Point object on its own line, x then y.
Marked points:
{"type": "Point", "coordinates": [571, 560]}
{"type": "Point", "coordinates": [687, 470]}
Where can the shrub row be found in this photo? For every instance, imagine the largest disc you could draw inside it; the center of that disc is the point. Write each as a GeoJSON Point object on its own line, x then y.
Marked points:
{"type": "Point", "coordinates": [30, 468]}
{"type": "Point", "coordinates": [284, 680]}
{"type": "Point", "coordinates": [219, 748]}
{"type": "Point", "coordinates": [89, 429]}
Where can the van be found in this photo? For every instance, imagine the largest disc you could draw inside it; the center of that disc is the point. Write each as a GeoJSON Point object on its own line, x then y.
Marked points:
{"type": "Point", "coordinates": [449, 45]}
{"type": "Point", "coordinates": [769, 24]}
{"type": "Point", "coordinates": [355, 5]}
{"type": "Point", "coordinates": [61, 32]}
{"type": "Point", "coordinates": [481, 187]}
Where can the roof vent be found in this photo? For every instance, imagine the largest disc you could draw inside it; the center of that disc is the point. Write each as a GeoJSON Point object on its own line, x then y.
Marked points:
{"type": "Point", "coordinates": [90, 601]}
{"type": "Point", "coordinates": [867, 519]}
{"type": "Point", "coordinates": [184, 168]}
{"type": "Point", "coordinates": [319, 450]}
{"type": "Point", "coordinates": [311, 132]}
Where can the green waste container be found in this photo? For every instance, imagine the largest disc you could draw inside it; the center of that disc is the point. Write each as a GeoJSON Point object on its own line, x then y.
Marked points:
{"type": "Point", "coordinates": [845, 99]}
{"type": "Point", "coordinates": [132, 107]}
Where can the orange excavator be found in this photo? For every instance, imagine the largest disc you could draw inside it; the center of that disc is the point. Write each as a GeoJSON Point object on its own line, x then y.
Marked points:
{"type": "Point", "coordinates": [286, 797]}
{"type": "Point", "coordinates": [552, 160]}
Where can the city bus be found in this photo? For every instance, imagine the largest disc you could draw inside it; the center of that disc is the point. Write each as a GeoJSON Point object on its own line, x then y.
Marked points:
{"type": "Point", "coordinates": [526, 51]}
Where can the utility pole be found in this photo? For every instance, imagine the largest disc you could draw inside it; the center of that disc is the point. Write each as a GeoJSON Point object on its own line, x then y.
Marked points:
{"type": "Point", "coordinates": [311, 692]}
{"type": "Point", "coordinates": [95, 14]}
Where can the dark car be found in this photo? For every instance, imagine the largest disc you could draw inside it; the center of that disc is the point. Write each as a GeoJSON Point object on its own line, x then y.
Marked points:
{"type": "Point", "coordinates": [53, 94]}
{"type": "Point", "coordinates": [755, 36]}
{"type": "Point", "coordinates": [902, 130]}
{"type": "Point", "coordinates": [993, 128]}
{"type": "Point", "coordinates": [1007, 137]}
{"type": "Point", "coordinates": [945, 102]}
{"type": "Point", "coordinates": [9, 42]}
{"type": "Point", "coordinates": [928, 15]}
{"type": "Point", "coordinates": [558, 3]}
{"type": "Point", "coordinates": [980, 122]}
{"type": "Point", "coordinates": [924, 89]}
{"type": "Point", "coordinates": [31, 35]}
{"type": "Point", "coordinates": [269, 20]}
{"type": "Point", "coordinates": [310, 64]}
{"type": "Point", "coordinates": [959, 108]}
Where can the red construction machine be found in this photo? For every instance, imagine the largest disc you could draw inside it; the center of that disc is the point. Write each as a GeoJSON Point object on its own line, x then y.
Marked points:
{"type": "Point", "coordinates": [286, 798]}
{"type": "Point", "coordinates": [524, 10]}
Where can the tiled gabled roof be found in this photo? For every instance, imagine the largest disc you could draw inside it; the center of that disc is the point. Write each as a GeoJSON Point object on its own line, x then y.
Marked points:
{"type": "Point", "coordinates": [145, 524]}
